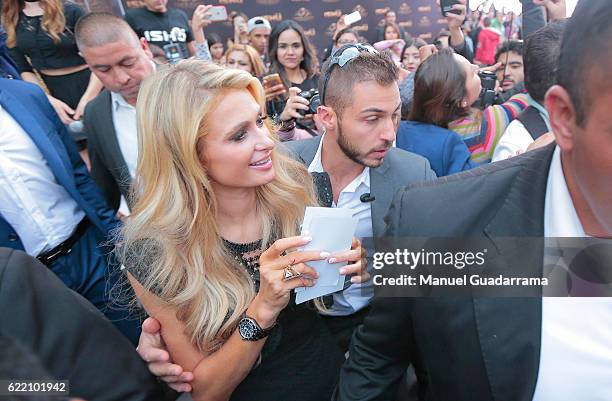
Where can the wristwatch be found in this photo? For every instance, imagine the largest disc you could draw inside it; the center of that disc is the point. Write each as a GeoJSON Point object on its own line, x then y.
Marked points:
{"type": "Point", "coordinates": [250, 330]}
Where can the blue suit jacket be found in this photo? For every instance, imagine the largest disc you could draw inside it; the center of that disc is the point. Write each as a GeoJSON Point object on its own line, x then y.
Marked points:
{"type": "Point", "coordinates": [445, 150]}
{"type": "Point", "coordinates": [28, 105]}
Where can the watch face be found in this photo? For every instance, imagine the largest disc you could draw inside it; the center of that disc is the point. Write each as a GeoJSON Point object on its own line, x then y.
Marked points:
{"type": "Point", "coordinates": [247, 328]}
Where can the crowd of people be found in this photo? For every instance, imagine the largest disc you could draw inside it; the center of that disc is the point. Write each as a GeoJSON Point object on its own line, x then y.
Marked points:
{"type": "Point", "coordinates": [154, 176]}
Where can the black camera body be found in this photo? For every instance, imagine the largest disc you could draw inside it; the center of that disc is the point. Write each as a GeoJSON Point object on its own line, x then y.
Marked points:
{"type": "Point", "coordinates": [314, 101]}
{"type": "Point", "coordinates": [487, 93]}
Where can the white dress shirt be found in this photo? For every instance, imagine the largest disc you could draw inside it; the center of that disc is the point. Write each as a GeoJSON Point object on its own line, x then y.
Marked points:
{"type": "Point", "coordinates": [576, 349]}
{"type": "Point", "coordinates": [38, 208]}
{"type": "Point", "coordinates": [516, 139]}
{"type": "Point", "coordinates": [357, 296]}
{"type": "Point", "coordinates": [124, 120]}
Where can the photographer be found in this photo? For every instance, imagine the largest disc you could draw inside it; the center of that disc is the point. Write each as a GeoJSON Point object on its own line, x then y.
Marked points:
{"type": "Point", "coordinates": [293, 58]}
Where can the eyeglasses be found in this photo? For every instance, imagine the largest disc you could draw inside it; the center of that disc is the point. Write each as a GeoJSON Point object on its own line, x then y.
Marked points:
{"type": "Point", "coordinates": [341, 57]}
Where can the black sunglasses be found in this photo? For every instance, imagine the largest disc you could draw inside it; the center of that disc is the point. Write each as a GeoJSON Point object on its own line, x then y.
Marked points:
{"type": "Point", "coordinates": [341, 57]}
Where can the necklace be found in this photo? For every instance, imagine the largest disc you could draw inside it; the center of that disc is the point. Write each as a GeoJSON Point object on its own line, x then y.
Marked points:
{"type": "Point", "coordinates": [247, 255]}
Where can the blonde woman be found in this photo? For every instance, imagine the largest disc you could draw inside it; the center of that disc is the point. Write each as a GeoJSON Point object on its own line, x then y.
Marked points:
{"type": "Point", "coordinates": [209, 244]}
{"type": "Point", "coordinates": [246, 58]}
{"type": "Point", "coordinates": [44, 32]}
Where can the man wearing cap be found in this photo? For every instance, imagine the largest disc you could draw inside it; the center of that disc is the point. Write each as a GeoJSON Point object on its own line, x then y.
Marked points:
{"type": "Point", "coordinates": [259, 34]}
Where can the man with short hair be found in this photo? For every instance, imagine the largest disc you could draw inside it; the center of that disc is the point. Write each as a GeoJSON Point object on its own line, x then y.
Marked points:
{"type": "Point", "coordinates": [541, 60]}
{"type": "Point", "coordinates": [121, 61]}
{"type": "Point", "coordinates": [510, 73]}
{"type": "Point", "coordinates": [511, 348]}
{"type": "Point", "coordinates": [161, 26]}
{"type": "Point", "coordinates": [259, 30]}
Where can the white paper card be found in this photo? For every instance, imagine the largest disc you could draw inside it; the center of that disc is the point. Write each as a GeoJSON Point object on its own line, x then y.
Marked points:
{"type": "Point", "coordinates": [332, 230]}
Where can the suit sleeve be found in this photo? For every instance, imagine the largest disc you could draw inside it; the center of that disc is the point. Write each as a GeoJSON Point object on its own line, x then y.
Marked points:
{"type": "Point", "coordinates": [99, 172]}
{"type": "Point", "coordinates": [85, 185]}
{"type": "Point", "coordinates": [379, 353]}
{"type": "Point", "coordinates": [71, 338]}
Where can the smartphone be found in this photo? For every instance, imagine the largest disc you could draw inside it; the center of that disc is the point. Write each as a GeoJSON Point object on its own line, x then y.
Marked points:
{"type": "Point", "coordinates": [351, 18]}
{"type": "Point", "coordinates": [217, 13]}
{"type": "Point", "coordinates": [272, 80]}
{"type": "Point", "coordinates": [446, 6]}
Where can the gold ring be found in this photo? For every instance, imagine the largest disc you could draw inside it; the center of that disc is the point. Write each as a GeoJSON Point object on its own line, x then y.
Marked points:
{"type": "Point", "coordinates": [289, 273]}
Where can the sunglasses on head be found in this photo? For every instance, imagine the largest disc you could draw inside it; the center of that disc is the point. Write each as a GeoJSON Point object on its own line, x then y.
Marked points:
{"type": "Point", "coordinates": [341, 57]}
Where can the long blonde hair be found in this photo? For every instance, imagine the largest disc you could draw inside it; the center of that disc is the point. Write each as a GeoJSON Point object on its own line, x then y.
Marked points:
{"type": "Point", "coordinates": [259, 69]}
{"type": "Point", "coordinates": [172, 232]}
{"type": "Point", "coordinates": [53, 19]}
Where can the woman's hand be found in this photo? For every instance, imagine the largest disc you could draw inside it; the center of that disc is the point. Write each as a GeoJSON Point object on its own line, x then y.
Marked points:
{"type": "Point", "coordinates": [64, 111]}
{"type": "Point", "coordinates": [294, 103]}
{"type": "Point", "coordinates": [200, 17]}
{"type": "Point", "coordinates": [80, 110]}
{"type": "Point", "coordinates": [427, 51]}
{"type": "Point", "coordinates": [275, 91]}
{"type": "Point", "coordinates": [274, 288]}
{"type": "Point", "coordinates": [358, 264]}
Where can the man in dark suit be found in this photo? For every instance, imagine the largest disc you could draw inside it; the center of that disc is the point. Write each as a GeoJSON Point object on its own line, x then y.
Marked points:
{"type": "Point", "coordinates": [71, 339]}
{"type": "Point", "coordinates": [121, 61]}
{"type": "Point", "coordinates": [509, 349]}
{"type": "Point", "coordinates": [49, 206]}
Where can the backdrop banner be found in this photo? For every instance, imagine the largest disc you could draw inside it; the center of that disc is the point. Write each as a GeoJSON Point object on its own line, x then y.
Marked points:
{"type": "Point", "coordinates": [420, 18]}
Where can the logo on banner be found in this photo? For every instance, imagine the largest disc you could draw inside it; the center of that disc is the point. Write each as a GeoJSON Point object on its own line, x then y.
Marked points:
{"type": "Point", "coordinates": [268, 2]}
{"type": "Point", "coordinates": [332, 14]}
{"type": "Point", "coordinates": [303, 14]}
{"type": "Point", "coordinates": [360, 28]}
{"type": "Point", "coordinates": [404, 9]}
{"type": "Point", "coordinates": [231, 1]}
{"type": "Point", "coordinates": [300, 1]}
{"type": "Point", "coordinates": [406, 24]}
{"type": "Point", "coordinates": [441, 21]}
{"type": "Point", "coordinates": [424, 21]}
{"type": "Point", "coordinates": [276, 17]}
{"type": "Point", "coordinates": [331, 1]}
{"type": "Point", "coordinates": [424, 9]}
{"type": "Point", "coordinates": [362, 10]}
{"type": "Point", "coordinates": [310, 32]}
{"type": "Point", "coordinates": [381, 11]}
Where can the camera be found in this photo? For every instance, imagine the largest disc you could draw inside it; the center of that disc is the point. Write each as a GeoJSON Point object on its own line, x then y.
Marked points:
{"type": "Point", "coordinates": [487, 93]}
{"type": "Point", "coordinates": [314, 101]}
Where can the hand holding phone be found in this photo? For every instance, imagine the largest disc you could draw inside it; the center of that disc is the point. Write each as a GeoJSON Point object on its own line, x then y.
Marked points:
{"type": "Point", "coordinates": [217, 13]}
{"type": "Point", "coordinates": [351, 18]}
{"type": "Point", "coordinates": [446, 6]}
{"type": "Point", "coordinates": [273, 86]}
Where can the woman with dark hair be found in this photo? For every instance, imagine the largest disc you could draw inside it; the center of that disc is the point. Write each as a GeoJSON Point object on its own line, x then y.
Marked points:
{"type": "Point", "coordinates": [393, 42]}
{"type": "Point", "coordinates": [215, 44]}
{"type": "Point", "coordinates": [435, 102]}
{"type": "Point", "coordinates": [293, 57]}
{"type": "Point", "coordinates": [452, 86]}
{"type": "Point", "coordinates": [410, 57]}
{"type": "Point", "coordinates": [43, 31]}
